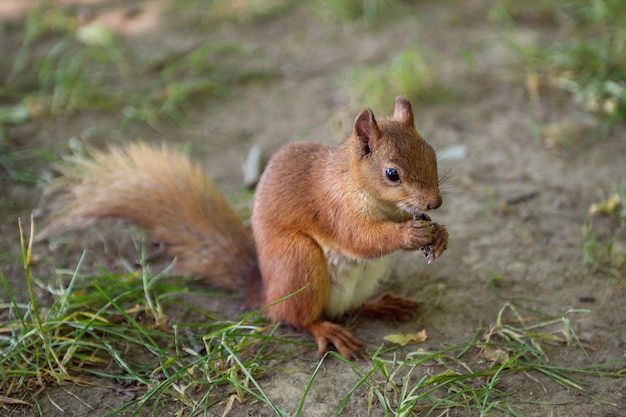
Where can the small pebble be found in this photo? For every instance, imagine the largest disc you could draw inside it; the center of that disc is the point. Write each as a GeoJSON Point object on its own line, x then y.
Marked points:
{"type": "Point", "coordinates": [253, 167]}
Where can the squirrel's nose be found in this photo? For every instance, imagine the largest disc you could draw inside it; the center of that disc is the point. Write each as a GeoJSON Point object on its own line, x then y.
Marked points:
{"type": "Point", "coordinates": [436, 203]}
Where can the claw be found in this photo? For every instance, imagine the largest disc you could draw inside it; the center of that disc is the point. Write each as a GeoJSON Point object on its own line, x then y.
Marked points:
{"type": "Point", "coordinates": [344, 341]}
{"type": "Point", "coordinates": [433, 250]}
{"type": "Point", "coordinates": [421, 216]}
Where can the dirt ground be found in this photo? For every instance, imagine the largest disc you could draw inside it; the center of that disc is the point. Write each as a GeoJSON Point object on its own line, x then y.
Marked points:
{"type": "Point", "coordinates": [533, 245]}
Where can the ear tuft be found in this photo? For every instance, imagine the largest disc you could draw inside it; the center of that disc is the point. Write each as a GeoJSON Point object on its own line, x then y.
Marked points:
{"type": "Point", "coordinates": [403, 112]}
{"type": "Point", "coordinates": [366, 130]}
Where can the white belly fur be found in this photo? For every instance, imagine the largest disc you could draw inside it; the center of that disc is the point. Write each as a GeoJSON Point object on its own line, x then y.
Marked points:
{"type": "Point", "coordinates": [352, 281]}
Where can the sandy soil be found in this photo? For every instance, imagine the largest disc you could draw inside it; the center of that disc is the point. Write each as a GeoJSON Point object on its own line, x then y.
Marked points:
{"type": "Point", "coordinates": [534, 246]}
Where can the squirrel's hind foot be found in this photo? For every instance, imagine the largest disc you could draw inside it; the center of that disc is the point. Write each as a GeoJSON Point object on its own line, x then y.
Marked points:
{"type": "Point", "coordinates": [389, 306]}
{"type": "Point", "coordinates": [325, 332]}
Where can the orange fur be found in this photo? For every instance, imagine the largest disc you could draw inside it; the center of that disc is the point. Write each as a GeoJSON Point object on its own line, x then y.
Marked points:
{"type": "Point", "coordinates": [319, 212]}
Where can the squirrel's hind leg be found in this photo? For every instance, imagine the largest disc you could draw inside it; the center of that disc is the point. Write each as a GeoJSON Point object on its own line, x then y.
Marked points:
{"type": "Point", "coordinates": [300, 276]}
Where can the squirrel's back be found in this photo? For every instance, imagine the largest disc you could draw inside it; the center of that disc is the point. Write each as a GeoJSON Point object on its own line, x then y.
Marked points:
{"type": "Point", "coordinates": [160, 190]}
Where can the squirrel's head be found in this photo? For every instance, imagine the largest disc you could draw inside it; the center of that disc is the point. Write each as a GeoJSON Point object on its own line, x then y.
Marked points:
{"type": "Point", "coordinates": [393, 163]}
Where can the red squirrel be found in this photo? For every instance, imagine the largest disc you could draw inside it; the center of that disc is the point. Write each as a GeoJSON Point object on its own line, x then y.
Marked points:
{"type": "Point", "coordinates": [323, 219]}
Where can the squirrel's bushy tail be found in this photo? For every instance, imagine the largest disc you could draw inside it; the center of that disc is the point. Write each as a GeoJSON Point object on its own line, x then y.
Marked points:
{"type": "Point", "coordinates": [160, 190]}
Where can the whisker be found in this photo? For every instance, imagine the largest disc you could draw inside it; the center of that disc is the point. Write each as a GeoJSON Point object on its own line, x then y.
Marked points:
{"type": "Point", "coordinates": [449, 192]}
{"type": "Point", "coordinates": [404, 205]}
{"type": "Point", "coordinates": [448, 174]}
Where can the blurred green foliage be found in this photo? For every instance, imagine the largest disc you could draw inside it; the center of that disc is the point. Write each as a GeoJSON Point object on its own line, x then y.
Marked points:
{"type": "Point", "coordinates": [588, 59]}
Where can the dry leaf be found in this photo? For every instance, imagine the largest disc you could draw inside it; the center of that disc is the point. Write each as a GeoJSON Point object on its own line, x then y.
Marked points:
{"type": "Point", "coordinates": [404, 339]}
{"type": "Point", "coordinates": [606, 207]}
{"type": "Point", "coordinates": [496, 355]}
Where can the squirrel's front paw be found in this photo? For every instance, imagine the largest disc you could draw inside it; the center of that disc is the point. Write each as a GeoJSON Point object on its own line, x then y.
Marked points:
{"type": "Point", "coordinates": [418, 233]}
{"type": "Point", "coordinates": [438, 245]}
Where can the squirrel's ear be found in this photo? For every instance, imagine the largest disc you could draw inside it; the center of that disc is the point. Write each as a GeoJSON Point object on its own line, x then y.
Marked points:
{"type": "Point", "coordinates": [366, 130]}
{"type": "Point", "coordinates": [403, 112]}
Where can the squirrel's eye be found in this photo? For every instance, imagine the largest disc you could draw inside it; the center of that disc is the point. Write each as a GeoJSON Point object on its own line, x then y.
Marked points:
{"type": "Point", "coordinates": [392, 174]}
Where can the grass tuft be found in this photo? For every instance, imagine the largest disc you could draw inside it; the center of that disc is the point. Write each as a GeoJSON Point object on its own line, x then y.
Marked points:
{"type": "Point", "coordinates": [408, 74]}
{"type": "Point", "coordinates": [67, 67]}
{"type": "Point", "coordinates": [114, 327]}
{"type": "Point", "coordinates": [604, 233]}
{"type": "Point", "coordinates": [475, 378]}
{"type": "Point", "coordinates": [586, 63]}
